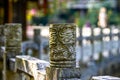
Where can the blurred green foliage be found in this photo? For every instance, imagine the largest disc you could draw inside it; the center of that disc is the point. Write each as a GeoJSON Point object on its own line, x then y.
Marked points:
{"type": "Point", "coordinates": [92, 16]}
{"type": "Point", "coordinates": [113, 16]}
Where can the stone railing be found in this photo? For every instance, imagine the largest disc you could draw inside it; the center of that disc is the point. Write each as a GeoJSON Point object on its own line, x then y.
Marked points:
{"type": "Point", "coordinates": [91, 42]}
{"type": "Point", "coordinates": [62, 57]}
{"type": "Point", "coordinates": [62, 64]}
{"type": "Point", "coordinates": [15, 65]}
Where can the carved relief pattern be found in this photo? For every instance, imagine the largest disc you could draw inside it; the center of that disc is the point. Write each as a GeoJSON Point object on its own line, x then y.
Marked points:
{"type": "Point", "coordinates": [62, 42]}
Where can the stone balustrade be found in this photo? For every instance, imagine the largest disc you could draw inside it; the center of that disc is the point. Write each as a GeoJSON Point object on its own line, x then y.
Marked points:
{"type": "Point", "coordinates": [30, 65]}
{"type": "Point", "coordinates": [62, 64]}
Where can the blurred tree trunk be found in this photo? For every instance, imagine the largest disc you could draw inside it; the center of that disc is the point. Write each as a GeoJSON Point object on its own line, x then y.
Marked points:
{"type": "Point", "coordinates": [15, 12]}
{"type": "Point", "coordinates": [19, 16]}
{"type": "Point", "coordinates": [6, 9]}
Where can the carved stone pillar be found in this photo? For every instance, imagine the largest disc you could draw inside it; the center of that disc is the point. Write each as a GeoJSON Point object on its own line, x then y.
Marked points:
{"type": "Point", "coordinates": [62, 45]}
{"type": "Point", "coordinates": [62, 52]}
{"type": "Point", "coordinates": [13, 36]}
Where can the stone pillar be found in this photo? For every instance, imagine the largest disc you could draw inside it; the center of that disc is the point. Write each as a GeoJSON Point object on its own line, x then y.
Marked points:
{"type": "Point", "coordinates": [1, 35]}
{"type": "Point", "coordinates": [13, 38]}
{"type": "Point", "coordinates": [37, 36]}
{"type": "Point", "coordinates": [62, 52]}
{"type": "Point", "coordinates": [2, 40]}
{"type": "Point", "coordinates": [37, 40]}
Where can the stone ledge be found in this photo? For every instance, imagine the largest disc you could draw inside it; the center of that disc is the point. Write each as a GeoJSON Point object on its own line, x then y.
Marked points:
{"type": "Point", "coordinates": [30, 65]}
{"type": "Point", "coordinates": [105, 78]}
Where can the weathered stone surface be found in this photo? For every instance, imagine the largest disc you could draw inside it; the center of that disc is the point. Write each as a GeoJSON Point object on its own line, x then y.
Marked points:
{"type": "Point", "coordinates": [105, 78]}
{"type": "Point", "coordinates": [62, 45]}
{"type": "Point", "coordinates": [62, 53]}
{"type": "Point", "coordinates": [2, 41]}
{"type": "Point", "coordinates": [13, 34]}
{"type": "Point", "coordinates": [30, 65]}
{"type": "Point", "coordinates": [25, 76]}
{"type": "Point", "coordinates": [2, 50]}
{"type": "Point", "coordinates": [41, 75]}
{"type": "Point", "coordinates": [37, 36]}
{"type": "Point", "coordinates": [2, 38]}
{"type": "Point", "coordinates": [37, 41]}
{"type": "Point", "coordinates": [13, 49]}
{"type": "Point", "coordinates": [62, 73]}
{"type": "Point", "coordinates": [1, 30]}
{"type": "Point", "coordinates": [12, 64]}
{"type": "Point", "coordinates": [13, 39]}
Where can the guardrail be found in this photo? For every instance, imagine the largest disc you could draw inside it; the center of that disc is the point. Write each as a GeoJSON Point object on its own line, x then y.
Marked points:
{"type": "Point", "coordinates": [21, 67]}
{"type": "Point", "coordinates": [62, 53]}
{"type": "Point", "coordinates": [91, 42]}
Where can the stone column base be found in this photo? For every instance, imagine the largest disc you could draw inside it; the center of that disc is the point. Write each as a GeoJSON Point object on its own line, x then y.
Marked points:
{"type": "Point", "coordinates": [53, 73]}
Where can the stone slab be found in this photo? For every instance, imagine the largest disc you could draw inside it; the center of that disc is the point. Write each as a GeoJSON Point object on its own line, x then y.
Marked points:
{"type": "Point", "coordinates": [30, 65]}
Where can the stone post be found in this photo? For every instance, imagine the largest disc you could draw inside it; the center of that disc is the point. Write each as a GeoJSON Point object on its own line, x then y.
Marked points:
{"type": "Point", "coordinates": [13, 34]}
{"type": "Point", "coordinates": [62, 53]}
{"type": "Point", "coordinates": [13, 38]}
{"type": "Point", "coordinates": [1, 35]}
{"type": "Point", "coordinates": [2, 40]}
{"type": "Point", "coordinates": [37, 40]}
